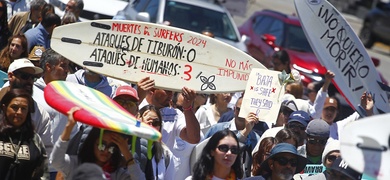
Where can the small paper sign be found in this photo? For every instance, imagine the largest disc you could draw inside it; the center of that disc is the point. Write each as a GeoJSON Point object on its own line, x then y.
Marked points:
{"type": "Point", "coordinates": [263, 95]}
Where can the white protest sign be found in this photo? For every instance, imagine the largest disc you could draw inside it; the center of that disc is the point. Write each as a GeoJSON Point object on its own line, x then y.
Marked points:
{"type": "Point", "coordinates": [262, 95]}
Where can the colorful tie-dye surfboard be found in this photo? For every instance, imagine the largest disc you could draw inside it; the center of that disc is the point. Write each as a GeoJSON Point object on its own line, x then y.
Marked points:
{"type": "Point", "coordinates": [98, 110]}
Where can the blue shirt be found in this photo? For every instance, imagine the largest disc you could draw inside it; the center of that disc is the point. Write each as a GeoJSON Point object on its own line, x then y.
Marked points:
{"type": "Point", "coordinates": [37, 36]}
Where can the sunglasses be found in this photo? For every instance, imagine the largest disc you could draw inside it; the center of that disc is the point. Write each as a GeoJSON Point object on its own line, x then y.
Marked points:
{"type": "Point", "coordinates": [295, 126]}
{"type": "Point", "coordinates": [284, 161]}
{"type": "Point", "coordinates": [331, 158]}
{"type": "Point", "coordinates": [225, 148]}
{"type": "Point", "coordinates": [317, 141]}
{"type": "Point", "coordinates": [110, 148]}
{"type": "Point", "coordinates": [25, 76]}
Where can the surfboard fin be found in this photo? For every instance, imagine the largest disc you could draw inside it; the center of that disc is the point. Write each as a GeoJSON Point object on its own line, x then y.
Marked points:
{"type": "Point", "coordinates": [384, 86]}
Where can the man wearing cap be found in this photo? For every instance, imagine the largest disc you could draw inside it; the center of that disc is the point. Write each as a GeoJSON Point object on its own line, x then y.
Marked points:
{"type": "Point", "coordinates": [297, 123]}
{"type": "Point", "coordinates": [317, 132]}
{"type": "Point", "coordinates": [55, 67]}
{"type": "Point", "coordinates": [282, 163]}
{"type": "Point", "coordinates": [21, 74]}
{"type": "Point", "coordinates": [330, 111]}
{"type": "Point", "coordinates": [35, 55]}
{"type": "Point", "coordinates": [127, 97]}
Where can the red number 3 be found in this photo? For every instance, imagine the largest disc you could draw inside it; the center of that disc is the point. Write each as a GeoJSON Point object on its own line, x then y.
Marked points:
{"type": "Point", "coordinates": [188, 72]}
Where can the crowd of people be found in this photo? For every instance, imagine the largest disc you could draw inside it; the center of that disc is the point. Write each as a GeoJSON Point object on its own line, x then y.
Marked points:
{"type": "Point", "coordinates": [38, 142]}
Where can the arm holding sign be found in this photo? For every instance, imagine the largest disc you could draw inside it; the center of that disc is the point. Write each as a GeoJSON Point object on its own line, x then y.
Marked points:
{"type": "Point", "coordinates": [191, 135]}
{"type": "Point", "coordinates": [318, 105]}
{"type": "Point", "coordinates": [250, 121]}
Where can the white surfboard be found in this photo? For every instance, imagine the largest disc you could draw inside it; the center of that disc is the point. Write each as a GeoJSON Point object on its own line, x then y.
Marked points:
{"type": "Point", "coordinates": [131, 50]}
{"type": "Point", "coordinates": [365, 145]}
{"type": "Point", "coordinates": [340, 50]}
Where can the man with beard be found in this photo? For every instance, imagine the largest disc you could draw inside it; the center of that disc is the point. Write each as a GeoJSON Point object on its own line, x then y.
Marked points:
{"type": "Point", "coordinates": [181, 130]}
{"type": "Point", "coordinates": [55, 67]}
{"type": "Point", "coordinates": [21, 74]}
{"type": "Point", "coordinates": [282, 163]}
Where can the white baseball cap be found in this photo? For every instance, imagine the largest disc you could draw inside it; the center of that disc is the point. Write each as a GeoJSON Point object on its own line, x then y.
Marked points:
{"type": "Point", "coordinates": [23, 63]}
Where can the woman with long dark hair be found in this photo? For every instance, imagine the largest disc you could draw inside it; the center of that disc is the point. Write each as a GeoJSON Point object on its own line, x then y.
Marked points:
{"type": "Point", "coordinates": [22, 154]}
{"type": "Point", "coordinates": [16, 48]}
{"type": "Point", "coordinates": [258, 157]}
{"type": "Point", "coordinates": [220, 158]}
{"type": "Point", "coordinates": [105, 153]}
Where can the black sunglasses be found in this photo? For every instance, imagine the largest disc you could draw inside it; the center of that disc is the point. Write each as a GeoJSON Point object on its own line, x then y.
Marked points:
{"type": "Point", "coordinates": [225, 148]}
{"type": "Point", "coordinates": [284, 161]}
{"type": "Point", "coordinates": [331, 158]}
{"type": "Point", "coordinates": [293, 126]}
{"type": "Point", "coordinates": [25, 76]}
{"type": "Point", "coordinates": [317, 141]}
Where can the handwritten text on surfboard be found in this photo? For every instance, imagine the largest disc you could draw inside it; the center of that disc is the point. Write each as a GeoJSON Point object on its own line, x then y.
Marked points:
{"type": "Point", "coordinates": [342, 48]}
{"type": "Point", "coordinates": [172, 45]}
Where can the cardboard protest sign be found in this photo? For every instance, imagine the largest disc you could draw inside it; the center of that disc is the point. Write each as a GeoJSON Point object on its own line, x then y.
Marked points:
{"type": "Point", "coordinates": [262, 95]}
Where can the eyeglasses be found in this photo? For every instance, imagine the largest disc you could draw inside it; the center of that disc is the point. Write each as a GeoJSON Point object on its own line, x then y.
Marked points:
{"type": "Point", "coordinates": [331, 158]}
{"type": "Point", "coordinates": [284, 161]}
{"type": "Point", "coordinates": [24, 76]}
{"type": "Point", "coordinates": [225, 148]}
{"type": "Point", "coordinates": [317, 141]}
{"type": "Point", "coordinates": [294, 126]}
{"type": "Point", "coordinates": [110, 148]}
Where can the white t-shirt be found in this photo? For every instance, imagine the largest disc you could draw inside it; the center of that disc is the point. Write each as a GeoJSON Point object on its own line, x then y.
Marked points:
{"type": "Point", "coordinates": [173, 122]}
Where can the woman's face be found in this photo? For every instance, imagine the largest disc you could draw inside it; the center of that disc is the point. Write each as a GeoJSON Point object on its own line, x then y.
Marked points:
{"type": "Point", "coordinates": [16, 111]}
{"type": "Point", "coordinates": [15, 48]}
{"type": "Point", "coordinates": [104, 153]}
{"type": "Point", "coordinates": [151, 118]}
{"type": "Point", "coordinates": [223, 98]}
{"type": "Point", "coordinates": [224, 157]}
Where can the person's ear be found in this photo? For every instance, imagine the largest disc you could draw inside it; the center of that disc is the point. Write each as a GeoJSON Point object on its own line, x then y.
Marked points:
{"type": "Point", "coordinates": [271, 164]}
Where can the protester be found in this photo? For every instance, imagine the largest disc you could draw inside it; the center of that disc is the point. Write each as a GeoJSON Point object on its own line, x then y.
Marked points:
{"type": "Point", "coordinates": [282, 163]}
{"type": "Point", "coordinates": [21, 74]}
{"type": "Point", "coordinates": [55, 68]}
{"type": "Point", "coordinates": [162, 160]}
{"type": "Point", "coordinates": [317, 103]}
{"type": "Point", "coordinates": [15, 49]}
{"type": "Point", "coordinates": [180, 131]}
{"type": "Point", "coordinates": [243, 129]}
{"type": "Point", "coordinates": [295, 89]}
{"type": "Point", "coordinates": [24, 155]}
{"type": "Point", "coordinates": [330, 154]}
{"type": "Point", "coordinates": [200, 100]}
{"type": "Point", "coordinates": [317, 132]}
{"type": "Point", "coordinates": [92, 80]}
{"type": "Point", "coordinates": [220, 158]}
{"type": "Point", "coordinates": [209, 115]}
{"type": "Point", "coordinates": [127, 97]}
{"type": "Point", "coordinates": [297, 123]}
{"type": "Point", "coordinates": [287, 136]}
{"type": "Point", "coordinates": [281, 61]}
{"type": "Point", "coordinates": [76, 7]}
{"type": "Point", "coordinates": [41, 35]}
{"type": "Point", "coordinates": [109, 153]}
{"type": "Point", "coordinates": [258, 157]}
{"type": "Point", "coordinates": [23, 21]}
{"type": "Point", "coordinates": [340, 170]}
{"type": "Point", "coordinates": [5, 33]}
